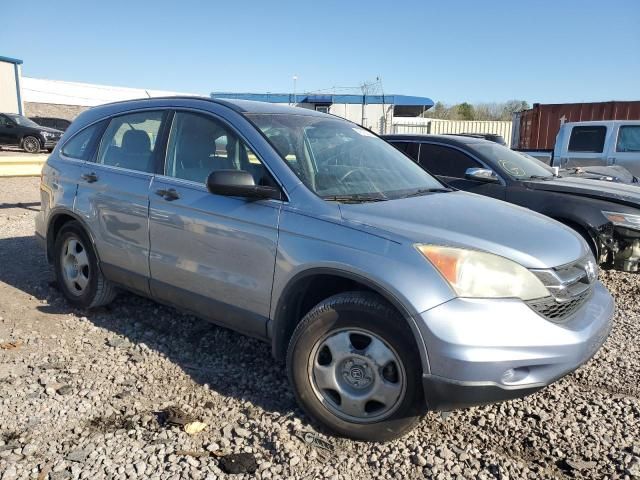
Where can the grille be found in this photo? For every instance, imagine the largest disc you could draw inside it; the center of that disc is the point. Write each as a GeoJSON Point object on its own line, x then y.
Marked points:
{"type": "Point", "coordinates": [557, 311]}
{"type": "Point", "coordinates": [570, 287]}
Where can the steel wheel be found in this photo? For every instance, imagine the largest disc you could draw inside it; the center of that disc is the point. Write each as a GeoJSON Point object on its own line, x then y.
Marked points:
{"type": "Point", "coordinates": [31, 145]}
{"type": "Point", "coordinates": [75, 266]}
{"type": "Point", "coordinates": [357, 375]}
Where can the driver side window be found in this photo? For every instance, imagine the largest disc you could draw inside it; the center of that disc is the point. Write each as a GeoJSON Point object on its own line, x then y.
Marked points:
{"type": "Point", "coordinates": [445, 161]}
{"type": "Point", "coordinates": [199, 145]}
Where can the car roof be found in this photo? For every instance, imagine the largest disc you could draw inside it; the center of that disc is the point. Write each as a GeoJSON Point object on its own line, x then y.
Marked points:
{"type": "Point", "coordinates": [451, 139]}
{"type": "Point", "coordinates": [241, 106]}
{"type": "Point", "coordinates": [603, 122]}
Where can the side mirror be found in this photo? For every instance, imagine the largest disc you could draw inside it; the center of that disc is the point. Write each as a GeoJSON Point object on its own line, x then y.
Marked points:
{"type": "Point", "coordinates": [239, 183]}
{"type": "Point", "coordinates": [481, 175]}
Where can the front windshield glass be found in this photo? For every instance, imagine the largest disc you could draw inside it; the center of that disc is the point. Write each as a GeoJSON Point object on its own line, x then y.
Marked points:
{"type": "Point", "coordinates": [23, 121]}
{"type": "Point", "coordinates": [515, 164]}
{"type": "Point", "coordinates": [337, 159]}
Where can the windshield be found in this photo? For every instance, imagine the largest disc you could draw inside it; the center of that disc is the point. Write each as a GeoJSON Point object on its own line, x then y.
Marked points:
{"type": "Point", "coordinates": [337, 159]}
{"type": "Point", "coordinates": [23, 121]}
{"type": "Point", "coordinates": [515, 164]}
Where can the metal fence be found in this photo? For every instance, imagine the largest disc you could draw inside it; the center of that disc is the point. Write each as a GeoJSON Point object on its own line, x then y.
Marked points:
{"type": "Point", "coordinates": [435, 126]}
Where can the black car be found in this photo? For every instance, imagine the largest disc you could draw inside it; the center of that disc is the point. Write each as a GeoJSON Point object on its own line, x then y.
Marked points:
{"type": "Point", "coordinates": [606, 214]}
{"type": "Point", "coordinates": [53, 122]}
{"type": "Point", "coordinates": [18, 130]}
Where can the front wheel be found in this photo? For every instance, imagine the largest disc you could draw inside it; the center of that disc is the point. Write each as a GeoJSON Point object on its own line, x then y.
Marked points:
{"type": "Point", "coordinates": [31, 144]}
{"type": "Point", "coordinates": [355, 369]}
{"type": "Point", "coordinates": [76, 268]}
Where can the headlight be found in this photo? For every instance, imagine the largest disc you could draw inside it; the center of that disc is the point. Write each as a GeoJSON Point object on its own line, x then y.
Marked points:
{"type": "Point", "coordinates": [623, 219]}
{"type": "Point", "coordinates": [47, 134]}
{"type": "Point", "coordinates": [483, 275]}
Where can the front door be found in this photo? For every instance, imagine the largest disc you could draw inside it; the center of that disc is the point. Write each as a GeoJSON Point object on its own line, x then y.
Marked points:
{"type": "Point", "coordinates": [113, 196]}
{"type": "Point", "coordinates": [212, 254]}
{"type": "Point", "coordinates": [450, 165]}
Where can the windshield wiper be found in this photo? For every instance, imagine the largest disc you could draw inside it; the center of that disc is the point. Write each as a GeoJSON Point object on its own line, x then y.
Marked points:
{"type": "Point", "coordinates": [354, 198]}
{"type": "Point", "coordinates": [424, 191]}
{"type": "Point", "coordinates": [540, 177]}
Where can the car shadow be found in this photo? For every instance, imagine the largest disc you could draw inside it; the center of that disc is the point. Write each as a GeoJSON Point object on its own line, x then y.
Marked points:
{"type": "Point", "coordinates": [27, 206]}
{"type": "Point", "coordinates": [225, 361]}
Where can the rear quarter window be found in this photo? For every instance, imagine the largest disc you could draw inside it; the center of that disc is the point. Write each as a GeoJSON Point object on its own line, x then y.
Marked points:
{"type": "Point", "coordinates": [588, 139]}
{"type": "Point", "coordinates": [82, 145]}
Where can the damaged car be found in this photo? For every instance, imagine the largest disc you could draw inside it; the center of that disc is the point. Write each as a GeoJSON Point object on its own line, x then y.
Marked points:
{"type": "Point", "coordinates": [606, 214]}
{"type": "Point", "coordinates": [384, 292]}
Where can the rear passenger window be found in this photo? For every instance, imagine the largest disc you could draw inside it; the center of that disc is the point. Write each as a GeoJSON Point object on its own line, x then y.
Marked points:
{"type": "Point", "coordinates": [199, 145]}
{"type": "Point", "coordinates": [130, 140]}
{"type": "Point", "coordinates": [83, 144]}
{"type": "Point", "coordinates": [445, 161]}
{"type": "Point", "coordinates": [587, 139]}
{"type": "Point", "coordinates": [628, 139]}
{"type": "Point", "coordinates": [411, 149]}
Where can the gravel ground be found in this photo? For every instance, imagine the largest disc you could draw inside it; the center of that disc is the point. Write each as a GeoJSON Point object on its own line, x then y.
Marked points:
{"type": "Point", "coordinates": [82, 395]}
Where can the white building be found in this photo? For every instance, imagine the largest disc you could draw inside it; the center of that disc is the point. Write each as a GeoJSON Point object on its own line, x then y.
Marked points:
{"type": "Point", "coordinates": [10, 82]}
{"type": "Point", "coordinates": [375, 112]}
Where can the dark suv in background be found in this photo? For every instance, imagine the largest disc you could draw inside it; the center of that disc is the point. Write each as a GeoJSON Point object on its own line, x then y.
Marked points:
{"type": "Point", "coordinates": [53, 122]}
{"type": "Point", "coordinates": [19, 131]}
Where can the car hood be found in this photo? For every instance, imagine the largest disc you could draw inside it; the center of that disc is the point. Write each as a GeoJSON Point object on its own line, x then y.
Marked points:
{"type": "Point", "coordinates": [48, 129]}
{"type": "Point", "coordinates": [472, 221]}
{"type": "Point", "coordinates": [625, 194]}
{"type": "Point", "coordinates": [614, 173]}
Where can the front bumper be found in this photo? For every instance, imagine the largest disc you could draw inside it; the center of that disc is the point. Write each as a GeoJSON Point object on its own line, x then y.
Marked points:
{"type": "Point", "coordinates": [488, 350]}
{"type": "Point", "coordinates": [50, 143]}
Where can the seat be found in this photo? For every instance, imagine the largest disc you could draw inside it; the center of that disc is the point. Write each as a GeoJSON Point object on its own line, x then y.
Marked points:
{"type": "Point", "coordinates": [134, 153]}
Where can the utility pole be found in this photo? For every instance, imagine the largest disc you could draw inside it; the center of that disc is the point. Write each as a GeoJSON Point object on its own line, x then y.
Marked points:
{"type": "Point", "coordinates": [295, 97]}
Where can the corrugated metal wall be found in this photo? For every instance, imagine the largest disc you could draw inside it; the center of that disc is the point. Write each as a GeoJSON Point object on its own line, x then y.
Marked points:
{"type": "Point", "coordinates": [539, 126]}
{"type": "Point", "coordinates": [435, 126]}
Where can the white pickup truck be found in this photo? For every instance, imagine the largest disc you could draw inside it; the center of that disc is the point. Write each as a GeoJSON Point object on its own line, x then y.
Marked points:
{"type": "Point", "coordinates": [596, 143]}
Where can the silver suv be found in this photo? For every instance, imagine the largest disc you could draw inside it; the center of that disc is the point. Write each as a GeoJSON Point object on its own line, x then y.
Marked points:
{"type": "Point", "coordinates": [387, 293]}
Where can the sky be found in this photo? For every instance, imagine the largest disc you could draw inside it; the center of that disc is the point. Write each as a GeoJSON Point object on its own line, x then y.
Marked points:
{"type": "Point", "coordinates": [450, 51]}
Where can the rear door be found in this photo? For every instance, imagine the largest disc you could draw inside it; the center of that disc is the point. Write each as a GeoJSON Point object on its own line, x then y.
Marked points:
{"type": "Point", "coordinates": [585, 146]}
{"type": "Point", "coordinates": [212, 254]}
{"type": "Point", "coordinates": [450, 164]}
{"type": "Point", "coordinates": [113, 195]}
{"type": "Point", "coordinates": [627, 148]}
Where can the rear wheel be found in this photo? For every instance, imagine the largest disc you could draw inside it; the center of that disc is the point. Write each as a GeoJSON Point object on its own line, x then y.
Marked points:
{"type": "Point", "coordinates": [355, 369]}
{"type": "Point", "coordinates": [31, 144]}
{"type": "Point", "coordinates": [76, 268]}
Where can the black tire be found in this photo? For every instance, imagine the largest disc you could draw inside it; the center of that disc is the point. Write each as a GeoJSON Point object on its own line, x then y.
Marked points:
{"type": "Point", "coordinates": [31, 144]}
{"type": "Point", "coordinates": [98, 291]}
{"type": "Point", "coordinates": [343, 312]}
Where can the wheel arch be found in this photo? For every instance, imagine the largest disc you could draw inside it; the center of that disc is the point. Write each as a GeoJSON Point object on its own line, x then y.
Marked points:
{"type": "Point", "coordinates": [56, 221]}
{"type": "Point", "coordinates": [308, 288]}
{"type": "Point", "coordinates": [587, 233]}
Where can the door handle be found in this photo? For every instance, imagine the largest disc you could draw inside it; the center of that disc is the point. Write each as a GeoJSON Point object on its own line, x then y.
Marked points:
{"type": "Point", "coordinates": [169, 195]}
{"type": "Point", "coordinates": [611, 160]}
{"type": "Point", "coordinates": [90, 177]}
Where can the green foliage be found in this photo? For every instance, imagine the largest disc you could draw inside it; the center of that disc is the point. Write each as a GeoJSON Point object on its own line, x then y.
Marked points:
{"type": "Point", "coordinates": [480, 111]}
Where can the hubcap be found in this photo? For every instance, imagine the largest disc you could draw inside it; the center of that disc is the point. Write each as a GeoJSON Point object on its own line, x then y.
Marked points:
{"type": "Point", "coordinates": [357, 375]}
{"type": "Point", "coordinates": [75, 266]}
{"type": "Point", "coordinates": [30, 145]}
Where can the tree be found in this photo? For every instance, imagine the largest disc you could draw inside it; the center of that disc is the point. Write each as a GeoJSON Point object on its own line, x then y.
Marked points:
{"type": "Point", "coordinates": [513, 106]}
{"type": "Point", "coordinates": [465, 111]}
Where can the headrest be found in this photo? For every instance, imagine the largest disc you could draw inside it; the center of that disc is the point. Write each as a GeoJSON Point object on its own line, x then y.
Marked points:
{"type": "Point", "coordinates": [136, 141]}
